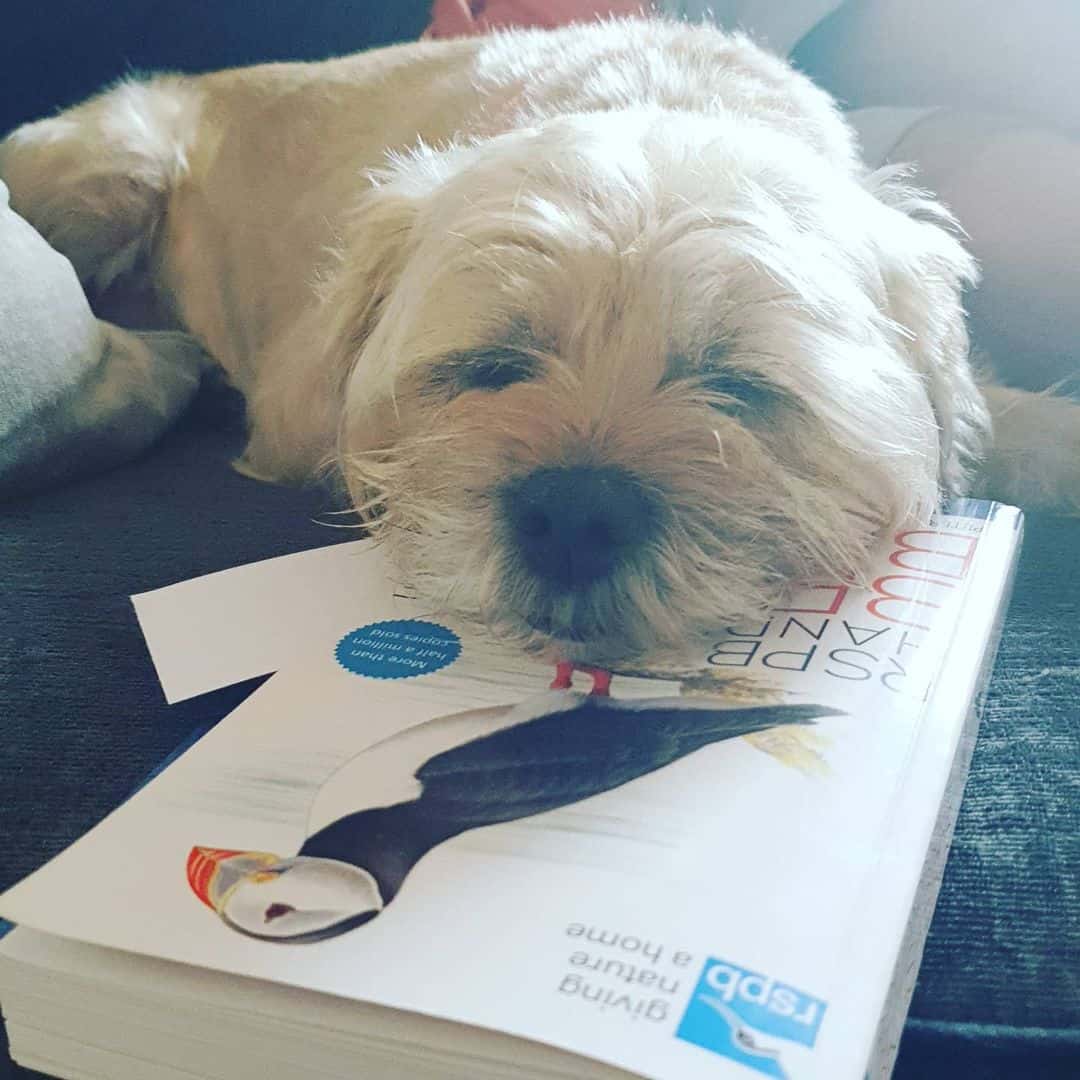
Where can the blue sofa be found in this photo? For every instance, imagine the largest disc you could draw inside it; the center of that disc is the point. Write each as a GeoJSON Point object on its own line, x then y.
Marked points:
{"type": "Point", "coordinates": [82, 719]}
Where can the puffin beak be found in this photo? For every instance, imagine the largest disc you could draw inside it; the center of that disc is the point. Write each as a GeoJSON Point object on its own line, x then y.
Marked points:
{"type": "Point", "coordinates": [298, 899]}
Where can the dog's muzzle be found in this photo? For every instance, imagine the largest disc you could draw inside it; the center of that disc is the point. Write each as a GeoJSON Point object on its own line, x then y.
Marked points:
{"type": "Point", "coordinates": [575, 525]}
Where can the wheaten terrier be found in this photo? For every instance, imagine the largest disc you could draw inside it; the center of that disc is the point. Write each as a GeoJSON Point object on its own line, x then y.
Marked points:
{"type": "Point", "coordinates": [607, 330]}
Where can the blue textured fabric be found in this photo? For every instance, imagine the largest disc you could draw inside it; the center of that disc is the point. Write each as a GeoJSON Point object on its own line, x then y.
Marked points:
{"type": "Point", "coordinates": [56, 52]}
{"type": "Point", "coordinates": [998, 994]}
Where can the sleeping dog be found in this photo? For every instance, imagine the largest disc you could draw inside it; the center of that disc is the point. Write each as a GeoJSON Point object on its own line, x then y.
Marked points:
{"type": "Point", "coordinates": [607, 331]}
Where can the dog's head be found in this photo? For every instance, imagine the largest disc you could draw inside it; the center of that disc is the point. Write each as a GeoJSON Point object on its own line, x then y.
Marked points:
{"type": "Point", "coordinates": [619, 377]}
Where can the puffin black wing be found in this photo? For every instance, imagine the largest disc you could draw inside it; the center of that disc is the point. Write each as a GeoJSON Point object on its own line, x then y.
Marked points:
{"type": "Point", "coordinates": [554, 759]}
{"type": "Point", "coordinates": [560, 758]}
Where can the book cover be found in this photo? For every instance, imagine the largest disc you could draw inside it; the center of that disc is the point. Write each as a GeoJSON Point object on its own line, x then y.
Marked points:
{"type": "Point", "coordinates": [700, 868]}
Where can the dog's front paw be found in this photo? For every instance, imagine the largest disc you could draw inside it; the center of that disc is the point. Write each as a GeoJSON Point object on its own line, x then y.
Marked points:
{"type": "Point", "coordinates": [1034, 461]}
{"type": "Point", "coordinates": [94, 181]}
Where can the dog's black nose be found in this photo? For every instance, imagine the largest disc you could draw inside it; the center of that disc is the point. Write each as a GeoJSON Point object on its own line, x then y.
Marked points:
{"type": "Point", "coordinates": [573, 525]}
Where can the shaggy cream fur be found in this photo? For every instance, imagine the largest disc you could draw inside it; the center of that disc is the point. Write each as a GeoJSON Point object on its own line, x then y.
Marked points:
{"type": "Point", "coordinates": [640, 246]}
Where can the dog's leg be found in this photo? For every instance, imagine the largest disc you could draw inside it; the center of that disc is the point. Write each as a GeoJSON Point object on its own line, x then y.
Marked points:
{"type": "Point", "coordinates": [121, 405]}
{"type": "Point", "coordinates": [76, 394]}
{"type": "Point", "coordinates": [79, 394]}
{"type": "Point", "coordinates": [1034, 459]}
{"type": "Point", "coordinates": [95, 180]}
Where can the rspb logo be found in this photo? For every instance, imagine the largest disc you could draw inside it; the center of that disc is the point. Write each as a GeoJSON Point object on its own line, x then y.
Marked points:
{"type": "Point", "coordinates": [750, 1018]}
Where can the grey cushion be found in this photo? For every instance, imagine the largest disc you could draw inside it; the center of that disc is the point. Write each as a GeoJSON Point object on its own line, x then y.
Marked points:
{"type": "Point", "coordinates": [77, 395]}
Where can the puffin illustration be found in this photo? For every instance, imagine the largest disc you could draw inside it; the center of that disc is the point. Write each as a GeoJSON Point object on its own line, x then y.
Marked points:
{"type": "Point", "coordinates": [383, 810]}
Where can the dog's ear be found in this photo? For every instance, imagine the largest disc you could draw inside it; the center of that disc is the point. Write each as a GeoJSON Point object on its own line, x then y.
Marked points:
{"type": "Point", "coordinates": [380, 237]}
{"type": "Point", "coordinates": [376, 243]}
{"type": "Point", "coordinates": [373, 248]}
{"type": "Point", "coordinates": [96, 180]}
{"type": "Point", "coordinates": [290, 442]}
{"type": "Point", "coordinates": [925, 271]}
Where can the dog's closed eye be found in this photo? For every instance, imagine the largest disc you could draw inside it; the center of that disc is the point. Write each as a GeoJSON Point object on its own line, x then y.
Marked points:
{"type": "Point", "coordinates": [727, 387]}
{"type": "Point", "coordinates": [491, 369]}
{"type": "Point", "coordinates": [739, 393]}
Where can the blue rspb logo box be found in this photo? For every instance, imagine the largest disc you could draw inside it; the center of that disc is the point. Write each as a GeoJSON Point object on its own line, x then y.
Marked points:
{"type": "Point", "coordinates": [749, 1017]}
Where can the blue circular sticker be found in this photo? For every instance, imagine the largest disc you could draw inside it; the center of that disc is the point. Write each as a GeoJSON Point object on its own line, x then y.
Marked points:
{"type": "Point", "coordinates": [398, 649]}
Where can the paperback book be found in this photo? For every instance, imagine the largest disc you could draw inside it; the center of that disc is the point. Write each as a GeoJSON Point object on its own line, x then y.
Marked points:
{"type": "Point", "coordinates": [414, 852]}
